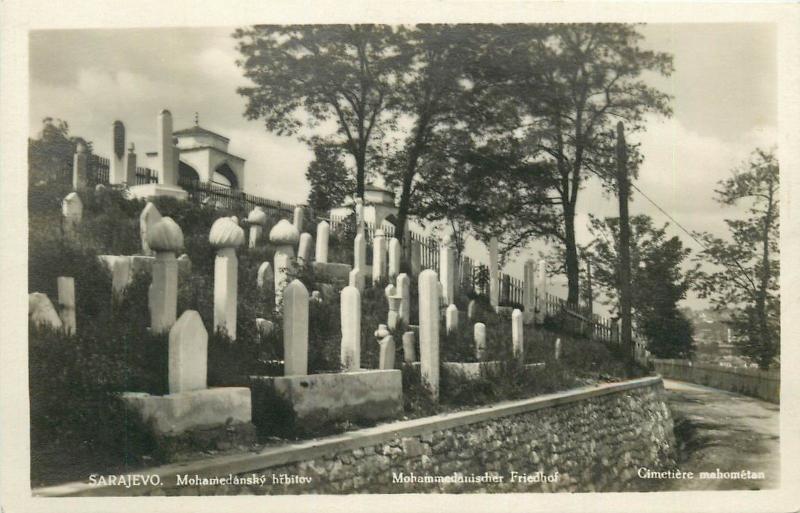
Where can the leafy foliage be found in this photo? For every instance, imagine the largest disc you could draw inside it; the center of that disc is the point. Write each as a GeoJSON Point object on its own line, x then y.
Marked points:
{"type": "Point", "coordinates": [329, 178]}
{"type": "Point", "coordinates": [747, 279]}
{"type": "Point", "coordinates": [52, 151]}
{"type": "Point", "coordinates": [306, 75]}
{"type": "Point", "coordinates": [571, 83]}
{"type": "Point", "coordinates": [658, 281]}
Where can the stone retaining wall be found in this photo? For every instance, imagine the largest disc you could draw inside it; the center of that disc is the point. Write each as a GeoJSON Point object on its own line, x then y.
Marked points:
{"type": "Point", "coordinates": [589, 439]}
{"type": "Point", "coordinates": [765, 385]}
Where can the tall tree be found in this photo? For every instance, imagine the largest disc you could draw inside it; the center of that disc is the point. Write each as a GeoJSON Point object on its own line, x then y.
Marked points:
{"type": "Point", "coordinates": [437, 93]}
{"type": "Point", "coordinates": [572, 83]}
{"type": "Point", "coordinates": [306, 76]}
{"type": "Point", "coordinates": [747, 281]}
{"type": "Point", "coordinates": [52, 151]}
{"type": "Point", "coordinates": [331, 182]}
{"type": "Point", "coordinates": [659, 279]}
{"type": "Point", "coordinates": [483, 188]}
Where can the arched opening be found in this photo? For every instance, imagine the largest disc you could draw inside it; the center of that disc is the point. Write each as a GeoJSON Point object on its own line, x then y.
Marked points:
{"type": "Point", "coordinates": [225, 177]}
{"type": "Point", "coordinates": [187, 176]}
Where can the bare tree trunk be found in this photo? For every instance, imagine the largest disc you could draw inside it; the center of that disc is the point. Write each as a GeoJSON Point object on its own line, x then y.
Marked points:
{"type": "Point", "coordinates": [761, 300]}
{"type": "Point", "coordinates": [573, 271]}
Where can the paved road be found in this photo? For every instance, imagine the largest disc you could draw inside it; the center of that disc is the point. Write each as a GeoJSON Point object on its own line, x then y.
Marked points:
{"type": "Point", "coordinates": [725, 431]}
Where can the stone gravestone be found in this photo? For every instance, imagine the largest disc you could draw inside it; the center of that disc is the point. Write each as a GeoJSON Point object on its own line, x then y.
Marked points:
{"type": "Point", "coordinates": [225, 236]}
{"type": "Point", "coordinates": [80, 167]}
{"type": "Point", "coordinates": [257, 219]}
{"type": "Point", "coordinates": [188, 354]}
{"type": "Point", "coordinates": [429, 330]}
{"type": "Point", "coordinates": [451, 319]}
{"type": "Point", "coordinates": [165, 238]}
{"type": "Point", "coordinates": [409, 352]}
{"type": "Point", "coordinates": [284, 236]}
{"type": "Point", "coordinates": [447, 270]}
{"type": "Point", "coordinates": [494, 270]}
{"type": "Point", "coordinates": [416, 257]}
{"type": "Point", "coordinates": [393, 320]}
{"type": "Point", "coordinates": [304, 249]}
{"type": "Point", "coordinates": [323, 235]}
{"type": "Point", "coordinates": [42, 312]}
{"type": "Point", "coordinates": [472, 309]}
{"type": "Point", "coordinates": [72, 210]}
{"type": "Point", "coordinates": [149, 216]}
{"type": "Point", "coordinates": [66, 301]}
{"type": "Point", "coordinates": [116, 162]}
{"type": "Point", "coordinates": [557, 349]}
{"type": "Point", "coordinates": [404, 291]}
{"type": "Point", "coordinates": [541, 292]}
{"type": "Point", "coordinates": [378, 257]}
{"type": "Point", "coordinates": [356, 279]}
{"type": "Point", "coordinates": [480, 341]}
{"type": "Point", "coordinates": [395, 255]}
{"type": "Point", "coordinates": [299, 215]}
{"type": "Point", "coordinates": [386, 343]}
{"type": "Point", "coordinates": [529, 291]}
{"type": "Point", "coordinates": [265, 277]}
{"type": "Point", "coordinates": [351, 328]}
{"type": "Point", "coordinates": [264, 327]}
{"type": "Point", "coordinates": [360, 252]}
{"type": "Point", "coordinates": [130, 166]}
{"type": "Point", "coordinates": [184, 266]}
{"type": "Point", "coordinates": [359, 217]}
{"type": "Point", "coordinates": [120, 267]}
{"type": "Point", "coordinates": [167, 165]}
{"type": "Point", "coordinates": [295, 329]}
{"type": "Point", "coordinates": [517, 335]}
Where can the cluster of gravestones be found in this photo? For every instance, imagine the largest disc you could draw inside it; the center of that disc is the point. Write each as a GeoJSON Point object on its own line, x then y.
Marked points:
{"type": "Point", "coordinates": [162, 238]}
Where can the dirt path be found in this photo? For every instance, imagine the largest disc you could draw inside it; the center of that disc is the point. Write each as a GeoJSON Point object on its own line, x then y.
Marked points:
{"type": "Point", "coordinates": [725, 431]}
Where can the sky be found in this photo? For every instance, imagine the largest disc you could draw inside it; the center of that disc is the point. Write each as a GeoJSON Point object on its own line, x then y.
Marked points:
{"type": "Point", "coordinates": [724, 92]}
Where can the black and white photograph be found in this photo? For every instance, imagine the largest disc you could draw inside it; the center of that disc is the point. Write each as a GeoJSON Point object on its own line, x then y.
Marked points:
{"type": "Point", "coordinates": [390, 258]}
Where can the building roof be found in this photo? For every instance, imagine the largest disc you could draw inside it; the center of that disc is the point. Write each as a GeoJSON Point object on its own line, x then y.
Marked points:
{"type": "Point", "coordinates": [198, 148]}
{"type": "Point", "coordinates": [198, 130]}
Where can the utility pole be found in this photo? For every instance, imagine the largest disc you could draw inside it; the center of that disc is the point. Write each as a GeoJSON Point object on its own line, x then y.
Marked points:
{"type": "Point", "coordinates": [623, 192]}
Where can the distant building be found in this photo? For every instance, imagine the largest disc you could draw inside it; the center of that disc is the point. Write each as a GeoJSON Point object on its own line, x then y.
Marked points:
{"type": "Point", "coordinates": [203, 157]}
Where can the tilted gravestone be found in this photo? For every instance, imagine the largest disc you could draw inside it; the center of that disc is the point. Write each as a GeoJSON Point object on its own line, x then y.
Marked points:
{"type": "Point", "coordinates": [304, 249]}
{"type": "Point", "coordinates": [149, 216]}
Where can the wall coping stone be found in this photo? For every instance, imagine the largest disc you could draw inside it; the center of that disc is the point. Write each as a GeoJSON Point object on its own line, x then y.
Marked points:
{"type": "Point", "coordinates": [314, 448]}
{"type": "Point", "coordinates": [773, 375]}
